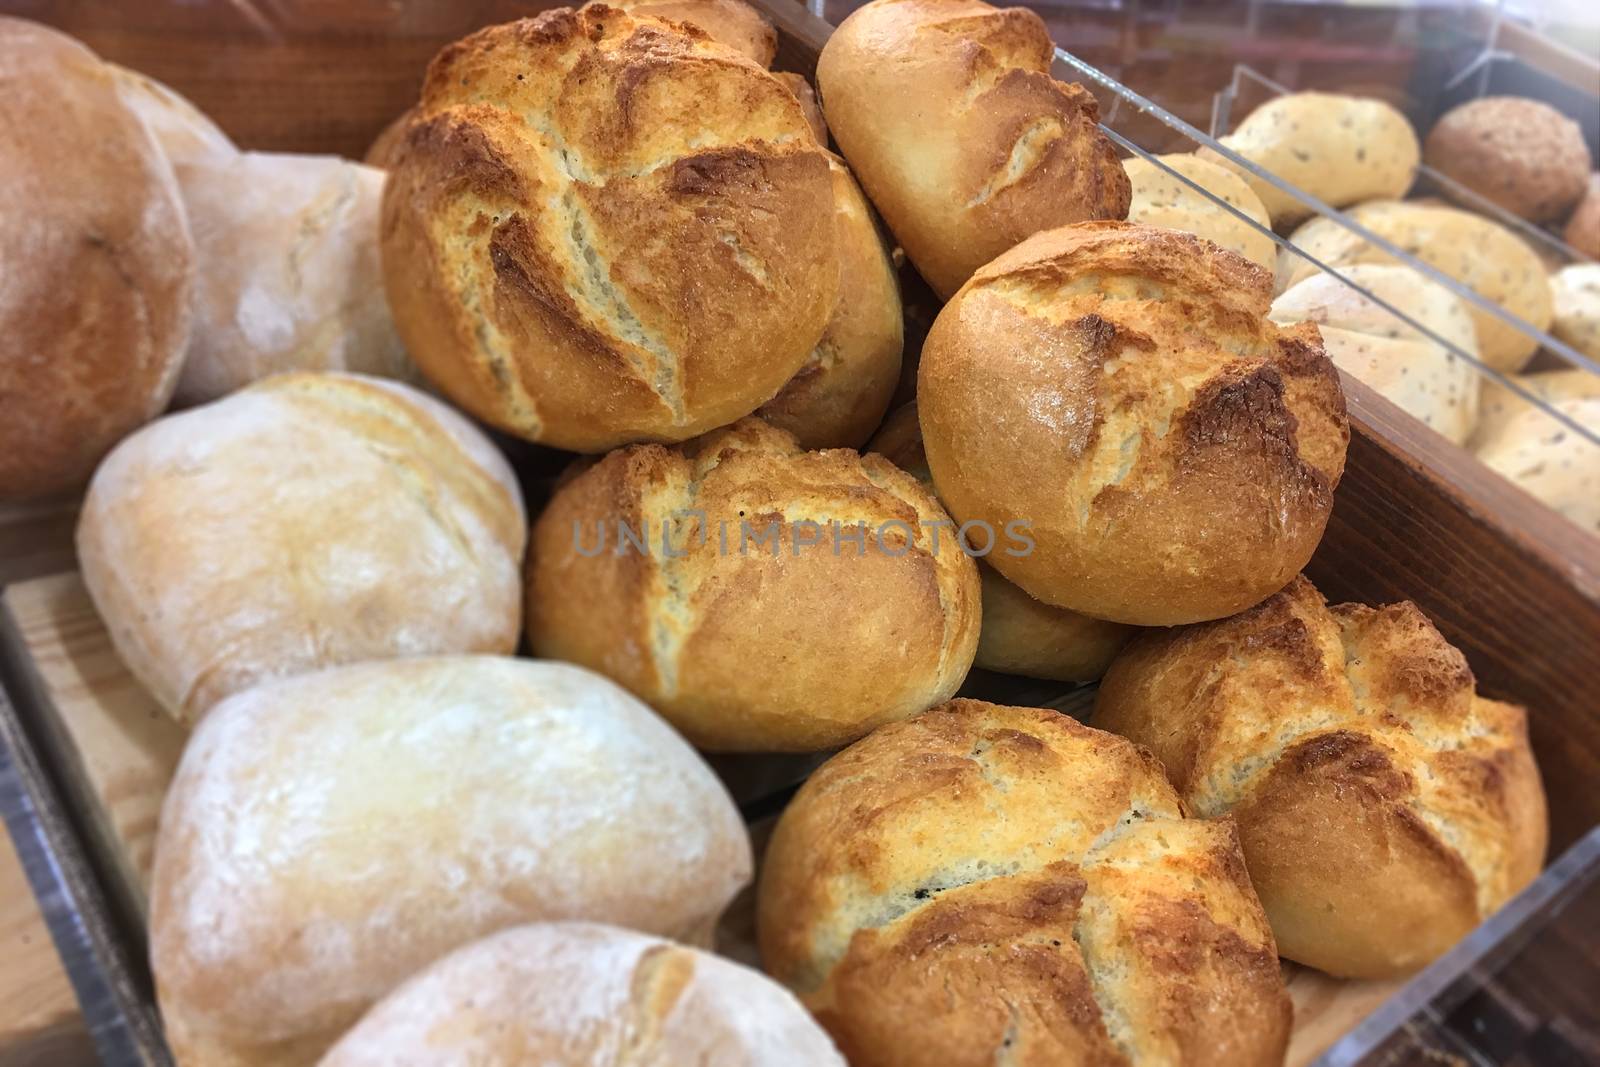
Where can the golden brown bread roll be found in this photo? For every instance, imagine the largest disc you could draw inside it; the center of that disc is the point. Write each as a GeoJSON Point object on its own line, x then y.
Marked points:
{"type": "Point", "coordinates": [731, 23]}
{"type": "Point", "coordinates": [1385, 809]}
{"type": "Point", "coordinates": [1340, 149]}
{"type": "Point", "coordinates": [309, 520]}
{"type": "Point", "coordinates": [986, 884]}
{"type": "Point", "coordinates": [1549, 460]}
{"type": "Point", "coordinates": [571, 995]}
{"type": "Point", "coordinates": [947, 114]}
{"type": "Point", "coordinates": [1018, 634]}
{"type": "Point", "coordinates": [758, 615]}
{"type": "Point", "coordinates": [1121, 390]}
{"type": "Point", "coordinates": [97, 262]}
{"type": "Point", "coordinates": [1161, 199]}
{"type": "Point", "coordinates": [327, 836]}
{"type": "Point", "coordinates": [1522, 155]}
{"type": "Point", "coordinates": [807, 96]}
{"type": "Point", "coordinates": [602, 230]}
{"type": "Point", "coordinates": [1583, 228]}
{"type": "Point", "coordinates": [1482, 255]}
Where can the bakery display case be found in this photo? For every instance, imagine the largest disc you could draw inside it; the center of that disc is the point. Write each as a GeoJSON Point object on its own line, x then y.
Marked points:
{"type": "Point", "coordinates": [1417, 515]}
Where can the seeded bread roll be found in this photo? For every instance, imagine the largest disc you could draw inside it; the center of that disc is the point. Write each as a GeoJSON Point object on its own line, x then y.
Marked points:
{"type": "Point", "coordinates": [1522, 155]}
{"type": "Point", "coordinates": [1498, 405]}
{"type": "Point", "coordinates": [330, 835]}
{"type": "Point", "coordinates": [1018, 634]}
{"type": "Point", "coordinates": [730, 23]}
{"type": "Point", "coordinates": [307, 521]}
{"type": "Point", "coordinates": [1385, 809]}
{"type": "Point", "coordinates": [1583, 228]}
{"type": "Point", "coordinates": [1420, 375]}
{"type": "Point", "coordinates": [289, 276]}
{"type": "Point", "coordinates": [97, 263]}
{"type": "Point", "coordinates": [1160, 199]}
{"type": "Point", "coordinates": [602, 230]}
{"type": "Point", "coordinates": [1551, 462]}
{"type": "Point", "coordinates": [1482, 255]}
{"type": "Point", "coordinates": [763, 562]}
{"type": "Point", "coordinates": [1121, 389]}
{"type": "Point", "coordinates": [572, 995]}
{"type": "Point", "coordinates": [984, 878]}
{"type": "Point", "coordinates": [1575, 296]}
{"type": "Point", "coordinates": [946, 112]}
{"type": "Point", "coordinates": [842, 390]}
{"type": "Point", "coordinates": [1340, 149]}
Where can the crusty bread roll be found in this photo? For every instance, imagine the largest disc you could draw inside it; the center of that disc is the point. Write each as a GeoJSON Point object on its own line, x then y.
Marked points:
{"type": "Point", "coordinates": [1340, 149]}
{"type": "Point", "coordinates": [1551, 462]}
{"type": "Point", "coordinates": [1160, 199]}
{"type": "Point", "coordinates": [807, 96]}
{"type": "Point", "coordinates": [184, 132]}
{"type": "Point", "coordinates": [1583, 228]}
{"type": "Point", "coordinates": [842, 390]}
{"type": "Point", "coordinates": [1482, 255]}
{"type": "Point", "coordinates": [1121, 391]}
{"type": "Point", "coordinates": [96, 259]}
{"type": "Point", "coordinates": [1420, 375]}
{"type": "Point", "coordinates": [603, 230]}
{"type": "Point", "coordinates": [760, 614]}
{"type": "Point", "coordinates": [327, 836]}
{"type": "Point", "coordinates": [289, 275]}
{"type": "Point", "coordinates": [1385, 809]}
{"type": "Point", "coordinates": [1522, 155]}
{"type": "Point", "coordinates": [1018, 634]}
{"type": "Point", "coordinates": [1575, 300]}
{"type": "Point", "coordinates": [985, 878]}
{"type": "Point", "coordinates": [574, 995]}
{"type": "Point", "coordinates": [309, 520]}
{"type": "Point", "coordinates": [946, 112]}
{"type": "Point", "coordinates": [385, 148]}
{"type": "Point", "coordinates": [1499, 406]}
{"type": "Point", "coordinates": [731, 23]}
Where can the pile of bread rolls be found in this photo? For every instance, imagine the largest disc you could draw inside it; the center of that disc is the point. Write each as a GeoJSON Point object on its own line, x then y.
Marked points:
{"type": "Point", "coordinates": [612, 230]}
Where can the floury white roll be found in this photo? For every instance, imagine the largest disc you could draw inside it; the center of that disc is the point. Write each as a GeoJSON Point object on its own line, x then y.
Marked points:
{"type": "Point", "coordinates": [330, 835]}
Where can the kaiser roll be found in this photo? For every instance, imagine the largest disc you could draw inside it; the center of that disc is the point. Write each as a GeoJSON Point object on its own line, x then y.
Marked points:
{"type": "Point", "coordinates": [578, 995]}
{"type": "Point", "coordinates": [602, 230]}
{"type": "Point", "coordinates": [730, 23]}
{"type": "Point", "coordinates": [1519, 154]}
{"type": "Point", "coordinates": [97, 262]}
{"type": "Point", "coordinates": [307, 521]}
{"type": "Point", "coordinates": [1550, 461]}
{"type": "Point", "coordinates": [759, 596]}
{"type": "Point", "coordinates": [1119, 392]}
{"type": "Point", "coordinates": [1384, 808]}
{"type": "Point", "coordinates": [1018, 634]}
{"type": "Point", "coordinates": [946, 112]}
{"type": "Point", "coordinates": [1161, 198]}
{"type": "Point", "coordinates": [329, 835]}
{"type": "Point", "coordinates": [984, 884]}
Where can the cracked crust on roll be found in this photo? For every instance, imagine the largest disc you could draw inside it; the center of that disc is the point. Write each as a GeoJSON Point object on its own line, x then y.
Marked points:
{"type": "Point", "coordinates": [731, 23]}
{"type": "Point", "coordinates": [1384, 807]}
{"type": "Point", "coordinates": [947, 114]}
{"type": "Point", "coordinates": [760, 642]}
{"type": "Point", "coordinates": [602, 230]}
{"type": "Point", "coordinates": [985, 884]}
{"type": "Point", "coordinates": [1121, 389]}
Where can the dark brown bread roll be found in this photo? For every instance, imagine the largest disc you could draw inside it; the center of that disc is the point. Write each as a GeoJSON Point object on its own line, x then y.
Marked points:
{"type": "Point", "coordinates": [1521, 154]}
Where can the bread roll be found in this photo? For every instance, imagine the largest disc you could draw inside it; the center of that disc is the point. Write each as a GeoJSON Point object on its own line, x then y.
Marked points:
{"type": "Point", "coordinates": [289, 273]}
{"type": "Point", "coordinates": [1583, 228]}
{"type": "Point", "coordinates": [1575, 297]}
{"type": "Point", "coordinates": [184, 132]}
{"type": "Point", "coordinates": [601, 230]}
{"type": "Point", "coordinates": [1498, 405]}
{"type": "Point", "coordinates": [1160, 199]}
{"type": "Point", "coordinates": [946, 112]}
{"type": "Point", "coordinates": [576, 995]}
{"type": "Point", "coordinates": [328, 836]}
{"type": "Point", "coordinates": [985, 878]}
{"type": "Point", "coordinates": [1482, 255]}
{"type": "Point", "coordinates": [1551, 462]}
{"type": "Point", "coordinates": [730, 23]}
{"type": "Point", "coordinates": [307, 521]}
{"type": "Point", "coordinates": [1522, 155]}
{"type": "Point", "coordinates": [1018, 634]}
{"type": "Point", "coordinates": [385, 148]}
{"type": "Point", "coordinates": [807, 96]}
{"type": "Point", "coordinates": [820, 567]}
{"type": "Point", "coordinates": [1340, 149]}
{"type": "Point", "coordinates": [96, 259]}
{"type": "Point", "coordinates": [1420, 375]}
{"type": "Point", "coordinates": [1385, 809]}
{"type": "Point", "coordinates": [841, 392]}
{"type": "Point", "coordinates": [1120, 390]}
